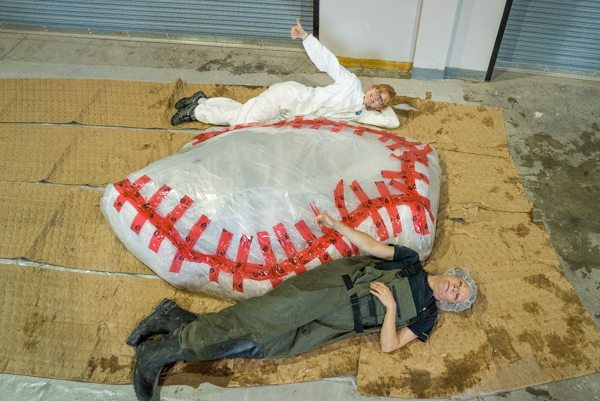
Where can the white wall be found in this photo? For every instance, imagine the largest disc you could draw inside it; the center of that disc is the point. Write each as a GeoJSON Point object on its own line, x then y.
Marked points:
{"type": "Point", "coordinates": [435, 33]}
{"type": "Point", "coordinates": [475, 34]}
{"type": "Point", "coordinates": [370, 29]}
{"type": "Point", "coordinates": [446, 33]}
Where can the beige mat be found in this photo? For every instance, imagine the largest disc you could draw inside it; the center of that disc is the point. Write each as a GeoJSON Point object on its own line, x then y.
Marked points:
{"type": "Point", "coordinates": [80, 155]}
{"type": "Point", "coordinates": [72, 326]}
{"type": "Point", "coordinates": [104, 102]}
{"type": "Point", "coordinates": [60, 225]}
{"type": "Point", "coordinates": [527, 327]}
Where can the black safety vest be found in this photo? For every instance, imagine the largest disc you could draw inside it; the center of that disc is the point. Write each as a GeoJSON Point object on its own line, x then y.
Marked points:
{"type": "Point", "coordinates": [368, 311]}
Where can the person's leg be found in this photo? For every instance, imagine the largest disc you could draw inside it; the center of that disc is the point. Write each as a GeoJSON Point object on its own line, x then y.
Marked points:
{"type": "Point", "coordinates": [150, 357]}
{"type": "Point", "coordinates": [228, 340]}
{"type": "Point", "coordinates": [216, 111]}
{"type": "Point", "coordinates": [280, 102]}
{"type": "Point", "coordinates": [292, 304]}
{"type": "Point", "coordinates": [335, 326]}
{"type": "Point", "coordinates": [167, 316]}
{"type": "Point", "coordinates": [186, 101]}
{"type": "Point", "coordinates": [257, 320]}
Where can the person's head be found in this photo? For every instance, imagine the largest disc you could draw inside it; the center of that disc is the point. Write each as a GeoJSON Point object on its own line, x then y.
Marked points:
{"type": "Point", "coordinates": [378, 97]}
{"type": "Point", "coordinates": [454, 291]}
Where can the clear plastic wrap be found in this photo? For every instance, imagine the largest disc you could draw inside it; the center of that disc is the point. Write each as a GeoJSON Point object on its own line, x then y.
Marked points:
{"type": "Point", "coordinates": [231, 214]}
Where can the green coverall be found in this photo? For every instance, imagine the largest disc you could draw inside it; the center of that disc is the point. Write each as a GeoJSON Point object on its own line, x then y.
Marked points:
{"type": "Point", "coordinates": [300, 314]}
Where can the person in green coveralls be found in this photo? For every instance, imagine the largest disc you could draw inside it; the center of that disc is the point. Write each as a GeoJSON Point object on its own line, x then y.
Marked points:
{"type": "Point", "coordinates": [387, 292]}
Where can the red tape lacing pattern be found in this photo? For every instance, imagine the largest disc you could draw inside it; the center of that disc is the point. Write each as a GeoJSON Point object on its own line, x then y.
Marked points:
{"type": "Point", "coordinates": [316, 246]}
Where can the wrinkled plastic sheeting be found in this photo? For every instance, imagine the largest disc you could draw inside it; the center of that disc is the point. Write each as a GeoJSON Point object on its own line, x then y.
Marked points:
{"type": "Point", "coordinates": [231, 214]}
{"type": "Point", "coordinates": [25, 388]}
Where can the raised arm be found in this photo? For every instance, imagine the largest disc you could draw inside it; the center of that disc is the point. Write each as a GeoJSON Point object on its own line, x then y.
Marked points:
{"type": "Point", "coordinates": [363, 241]}
{"type": "Point", "coordinates": [321, 56]}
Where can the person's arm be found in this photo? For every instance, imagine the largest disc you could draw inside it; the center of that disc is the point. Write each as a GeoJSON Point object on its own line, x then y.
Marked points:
{"type": "Point", "coordinates": [390, 338]}
{"type": "Point", "coordinates": [363, 241]}
{"type": "Point", "coordinates": [385, 118]}
{"type": "Point", "coordinates": [321, 56]}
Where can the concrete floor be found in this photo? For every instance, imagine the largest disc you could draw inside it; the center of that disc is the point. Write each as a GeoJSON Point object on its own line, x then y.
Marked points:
{"type": "Point", "coordinates": [553, 129]}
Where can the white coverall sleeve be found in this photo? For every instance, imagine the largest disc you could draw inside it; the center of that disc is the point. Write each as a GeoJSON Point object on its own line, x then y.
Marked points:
{"type": "Point", "coordinates": [385, 118]}
{"type": "Point", "coordinates": [325, 60]}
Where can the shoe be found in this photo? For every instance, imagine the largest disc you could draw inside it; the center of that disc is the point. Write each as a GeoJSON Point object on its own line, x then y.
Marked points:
{"type": "Point", "coordinates": [150, 357]}
{"type": "Point", "coordinates": [186, 101]}
{"type": "Point", "coordinates": [167, 316]}
{"type": "Point", "coordinates": [184, 115]}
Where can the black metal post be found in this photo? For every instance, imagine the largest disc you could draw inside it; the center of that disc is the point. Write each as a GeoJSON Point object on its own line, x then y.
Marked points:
{"type": "Point", "coordinates": [315, 31]}
{"type": "Point", "coordinates": [490, 69]}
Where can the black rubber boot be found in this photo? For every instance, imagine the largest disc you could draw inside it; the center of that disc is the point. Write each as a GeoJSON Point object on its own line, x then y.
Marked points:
{"type": "Point", "coordinates": [186, 101]}
{"type": "Point", "coordinates": [167, 316]}
{"type": "Point", "coordinates": [150, 357]}
{"type": "Point", "coordinates": [184, 115]}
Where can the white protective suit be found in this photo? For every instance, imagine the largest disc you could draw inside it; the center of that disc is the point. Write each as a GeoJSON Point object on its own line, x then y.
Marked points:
{"type": "Point", "coordinates": [342, 100]}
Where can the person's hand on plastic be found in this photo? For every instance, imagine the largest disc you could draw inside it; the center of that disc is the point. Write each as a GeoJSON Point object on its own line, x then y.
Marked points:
{"type": "Point", "coordinates": [323, 219]}
{"type": "Point", "coordinates": [384, 294]}
{"type": "Point", "coordinates": [298, 32]}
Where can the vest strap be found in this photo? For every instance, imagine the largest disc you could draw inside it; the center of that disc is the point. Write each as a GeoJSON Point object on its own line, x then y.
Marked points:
{"type": "Point", "coordinates": [358, 326]}
{"type": "Point", "coordinates": [430, 310]}
{"type": "Point", "coordinates": [410, 271]}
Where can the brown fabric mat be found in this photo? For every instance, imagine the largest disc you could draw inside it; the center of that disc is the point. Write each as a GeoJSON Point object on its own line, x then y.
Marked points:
{"type": "Point", "coordinates": [60, 225]}
{"type": "Point", "coordinates": [105, 102]}
{"type": "Point", "coordinates": [527, 327]}
{"type": "Point", "coordinates": [80, 155]}
{"type": "Point", "coordinates": [73, 326]}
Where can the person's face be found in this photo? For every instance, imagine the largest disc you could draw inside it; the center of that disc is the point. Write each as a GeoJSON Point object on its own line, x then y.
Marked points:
{"type": "Point", "coordinates": [374, 99]}
{"type": "Point", "coordinates": [450, 289]}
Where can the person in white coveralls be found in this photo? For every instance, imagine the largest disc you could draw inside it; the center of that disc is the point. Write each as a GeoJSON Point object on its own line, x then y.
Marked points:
{"type": "Point", "coordinates": [343, 100]}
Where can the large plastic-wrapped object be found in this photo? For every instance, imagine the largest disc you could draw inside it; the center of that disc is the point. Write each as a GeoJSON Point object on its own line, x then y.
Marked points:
{"type": "Point", "coordinates": [231, 214]}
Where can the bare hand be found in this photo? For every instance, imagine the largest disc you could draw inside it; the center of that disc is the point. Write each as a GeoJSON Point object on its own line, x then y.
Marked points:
{"type": "Point", "coordinates": [323, 219]}
{"type": "Point", "coordinates": [298, 32]}
{"type": "Point", "coordinates": [384, 294]}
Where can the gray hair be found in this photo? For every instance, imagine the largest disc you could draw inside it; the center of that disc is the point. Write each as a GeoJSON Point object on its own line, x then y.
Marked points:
{"type": "Point", "coordinates": [462, 273]}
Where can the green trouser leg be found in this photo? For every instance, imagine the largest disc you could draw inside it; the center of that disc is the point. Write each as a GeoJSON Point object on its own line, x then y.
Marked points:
{"type": "Point", "coordinates": [288, 316]}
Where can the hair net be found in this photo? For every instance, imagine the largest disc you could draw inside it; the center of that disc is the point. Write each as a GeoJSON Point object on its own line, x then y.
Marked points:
{"type": "Point", "coordinates": [459, 307]}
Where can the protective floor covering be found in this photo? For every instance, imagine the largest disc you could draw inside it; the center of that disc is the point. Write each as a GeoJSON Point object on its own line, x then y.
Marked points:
{"type": "Point", "coordinates": [527, 327]}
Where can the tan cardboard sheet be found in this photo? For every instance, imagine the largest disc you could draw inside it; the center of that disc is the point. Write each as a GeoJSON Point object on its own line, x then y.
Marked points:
{"type": "Point", "coordinates": [105, 102]}
{"type": "Point", "coordinates": [60, 225]}
{"type": "Point", "coordinates": [527, 327]}
{"type": "Point", "coordinates": [80, 155]}
{"type": "Point", "coordinates": [72, 326]}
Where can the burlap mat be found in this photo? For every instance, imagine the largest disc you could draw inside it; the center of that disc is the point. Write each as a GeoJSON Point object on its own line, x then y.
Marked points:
{"type": "Point", "coordinates": [527, 327]}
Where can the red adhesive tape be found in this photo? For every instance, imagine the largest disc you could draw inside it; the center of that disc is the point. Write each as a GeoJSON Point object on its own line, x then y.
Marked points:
{"type": "Point", "coordinates": [165, 226]}
{"type": "Point", "coordinates": [390, 206]}
{"type": "Point", "coordinates": [129, 190]}
{"type": "Point", "coordinates": [371, 208]}
{"type": "Point", "coordinates": [155, 200]}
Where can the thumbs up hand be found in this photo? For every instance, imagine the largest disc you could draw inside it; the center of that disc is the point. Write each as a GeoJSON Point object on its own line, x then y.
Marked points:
{"type": "Point", "coordinates": [298, 32]}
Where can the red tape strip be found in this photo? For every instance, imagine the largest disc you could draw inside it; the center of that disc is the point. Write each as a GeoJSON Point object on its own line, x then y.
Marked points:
{"type": "Point", "coordinates": [128, 190]}
{"type": "Point", "coordinates": [390, 206]}
{"type": "Point", "coordinates": [195, 233]}
{"type": "Point", "coordinates": [164, 227]}
{"type": "Point", "coordinates": [220, 262]}
{"type": "Point", "coordinates": [371, 208]}
{"type": "Point", "coordinates": [155, 200]}
{"type": "Point", "coordinates": [240, 262]}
